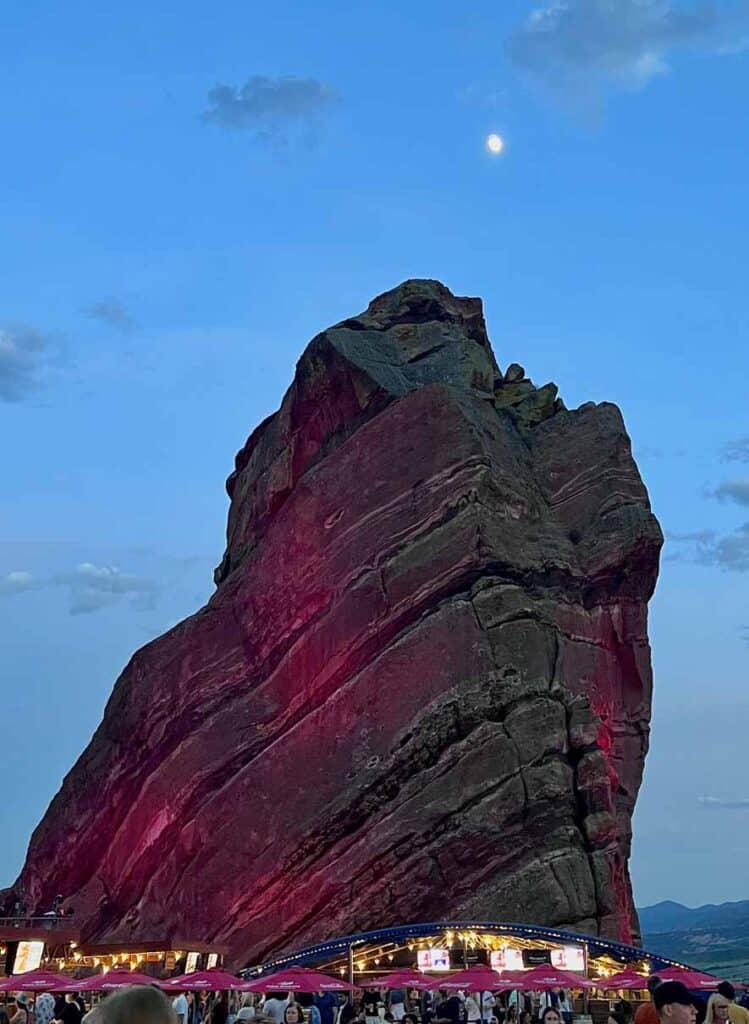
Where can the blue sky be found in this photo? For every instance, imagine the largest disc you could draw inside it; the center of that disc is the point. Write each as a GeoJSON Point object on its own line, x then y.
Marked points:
{"type": "Point", "coordinates": [168, 250]}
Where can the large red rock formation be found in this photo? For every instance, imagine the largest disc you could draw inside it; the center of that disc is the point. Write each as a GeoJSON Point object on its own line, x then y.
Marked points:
{"type": "Point", "coordinates": [422, 687]}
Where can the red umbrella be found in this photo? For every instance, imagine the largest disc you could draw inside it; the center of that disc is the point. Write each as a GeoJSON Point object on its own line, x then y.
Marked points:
{"type": "Point", "coordinates": [474, 979]}
{"type": "Point", "coordinates": [626, 979]}
{"type": "Point", "coordinates": [403, 979]}
{"type": "Point", "coordinates": [111, 980]}
{"type": "Point", "coordinates": [543, 978]}
{"type": "Point", "coordinates": [692, 979]}
{"type": "Point", "coordinates": [298, 979]}
{"type": "Point", "coordinates": [213, 980]}
{"type": "Point", "coordinates": [40, 980]}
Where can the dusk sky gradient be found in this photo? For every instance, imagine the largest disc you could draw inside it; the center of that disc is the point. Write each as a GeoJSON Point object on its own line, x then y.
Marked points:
{"type": "Point", "coordinates": [190, 192]}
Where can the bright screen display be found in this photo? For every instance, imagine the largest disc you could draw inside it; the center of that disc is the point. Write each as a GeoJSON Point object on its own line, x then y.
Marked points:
{"type": "Point", "coordinates": [28, 957]}
{"type": "Point", "coordinates": [191, 963]}
{"type": "Point", "coordinates": [433, 959]}
{"type": "Point", "coordinates": [507, 959]}
{"type": "Point", "coordinates": [568, 958]}
{"type": "Point", "coordinates": [212, 960]}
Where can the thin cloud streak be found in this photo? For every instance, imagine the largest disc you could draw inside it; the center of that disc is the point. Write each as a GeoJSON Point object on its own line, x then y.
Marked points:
{"type": "Point", "coordinates": [715, 804]}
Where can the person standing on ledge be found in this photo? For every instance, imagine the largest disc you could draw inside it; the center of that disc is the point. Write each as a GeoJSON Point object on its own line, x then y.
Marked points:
{"type": "Point", "coordinates": [674, 1004]}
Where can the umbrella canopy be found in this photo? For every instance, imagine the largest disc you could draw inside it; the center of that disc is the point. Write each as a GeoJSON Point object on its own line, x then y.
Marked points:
{"type": "Point", "coordinates": [213, 980]}
{"type": "Point", "coordinates": [403, 979]}
{"type": "Point", "coordinates": [298, 979]}
{"type": "Point", "coordinates": [692, 979]}
{"type": "Point", "coordinates": [40, 980]}
{"type": "Point", "coordinates": [544, 978]}
{"type": "Point", "coordinates": [474, 979]}
{"type": "Point", "coordinates": [110, 981]}
{"type": "Point", "coordinates": [626, 979]}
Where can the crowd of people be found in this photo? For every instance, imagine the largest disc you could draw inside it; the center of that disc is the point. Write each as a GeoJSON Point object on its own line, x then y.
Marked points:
{"type": "Point", "coordinates": [670, 1003]}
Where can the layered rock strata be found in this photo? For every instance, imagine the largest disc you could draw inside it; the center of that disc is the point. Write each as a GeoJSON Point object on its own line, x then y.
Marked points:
{"type": "Point", "coordinates": [422, 687]}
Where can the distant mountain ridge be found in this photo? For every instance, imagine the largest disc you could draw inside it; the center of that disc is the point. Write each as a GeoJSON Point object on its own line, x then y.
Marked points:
{"type": "Point", "coordinates": [714, 937]}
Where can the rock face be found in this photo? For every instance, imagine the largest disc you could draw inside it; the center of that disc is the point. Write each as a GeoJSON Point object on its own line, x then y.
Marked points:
{"type": "Point", "coordinates": [422, 688]}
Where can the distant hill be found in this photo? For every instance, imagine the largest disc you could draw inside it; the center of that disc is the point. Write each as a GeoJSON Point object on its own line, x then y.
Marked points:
{"type": "Point", "coordinates": [714, 937]}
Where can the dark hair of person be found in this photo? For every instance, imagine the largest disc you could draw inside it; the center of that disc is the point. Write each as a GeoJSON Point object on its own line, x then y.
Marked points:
{"type": "Point", "coordinates": [548, 1010]}
{"type": "Point", "coordinates": [726, 989]}
{"type": "Point", "coordinates": [617, 1016]}
{"type": "Point", "coordinates": [294, 1006]}
{"type": "Point", "coordinates": [624, 1007]}
{"type": "Point", "coordinates": [409, 1017]}
{"type": "Point", "coordinates": [653, 983]}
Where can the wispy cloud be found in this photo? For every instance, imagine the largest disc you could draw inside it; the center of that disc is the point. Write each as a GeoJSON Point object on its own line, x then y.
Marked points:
{"type": "Point", "coordinates": [715, 804]}
{"type": "Point", "coordinates": [113, 313]}
{"type": "Point", "coordinates": [736, 491]}
{"type": "Point", "coordinates": [24, 362]}
{"type": "Point", "coordinates": [89, 587]}
{"type": "Point", "coordinates": [736, 451]}
{"type": "Point", "coordinates": [275, 109]}
{"type": "Point", "coordinates": [729, 551]}
{"type": "Point", "coordinates": [17, 583]}
{"type": "Point", "coordinates": [584, 48]}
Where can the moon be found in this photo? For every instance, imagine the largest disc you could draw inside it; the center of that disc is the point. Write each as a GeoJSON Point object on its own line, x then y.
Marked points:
{"type": "Point", "coordinates": [494, 144]}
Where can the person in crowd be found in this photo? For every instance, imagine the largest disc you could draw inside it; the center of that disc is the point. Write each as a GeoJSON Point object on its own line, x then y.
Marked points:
{"type": "Point", "coordinates": [565, 1006]}
{"type": "Point", "coordinates": [525, 1017]}
{"type": "Point", "coordinates": [44, 1008]}
{"type": "Point", "coordinates": [551, 1015]}
{"type": "Point", "coordinates": [512, 1011]}
{"type": "Point", "coordinates": [70, 1013]}
{"type": "Point", "coordinates": [17, 1010]}
{"type": "Point", "coordinates": [647, 1013]}
{"type": "Point", "coordinates": [717, 1009]}
{"type": "Point", "coordinates": [450, 1009]}
{"type": "Point", "coordinates": [396, 1003]}
{"type": "Point", "coordinates": [247, 1009]}
{"type": "Point", "coordinates": [615, 1017]}
{"type": "Point", "coordinates": [624, 1008]}
{"type": "Point", "coordinates": [181, 1008]}
{"type": "Point", "coordinates": [219, 1011]}
{"type": "Point", "coordinates": [293, 1014]}
{"type": "Point", "coordinates": [487, 1002]}
{"type": "Point", "coordinates": [472, 1008]}
{"type": "Point", "coordinates": [274, 1006]}
{"type": "Point", "coordinates": [674, 1004]}
{"type": "Point", "coordinates": [409, 1018]}
{"type": "Point", "coordinates": [140, 1004]}
{"type": "Point", "coordinates": [427, 1006]}
{"type": "Point", "coordinates": [736, 1014]}
{"type": "Point", "coordinates": [327, 1004]}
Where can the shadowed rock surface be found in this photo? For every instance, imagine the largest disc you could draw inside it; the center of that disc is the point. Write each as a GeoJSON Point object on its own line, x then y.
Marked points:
{"type": "Point", "coordinates": [422, 688]}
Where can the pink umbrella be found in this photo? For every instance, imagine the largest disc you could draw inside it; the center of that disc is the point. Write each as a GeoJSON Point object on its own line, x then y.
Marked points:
{"type": "Point", "coordinates": [403, 979]}
{"type": "Point", "coordinates": [474, 979]}
{"type": "Point", "coordinates": [543, 978]}
{"type": "Point", "coordinates": [109, 982]}
{"type": "Point", "coordinates": [40, 980]}
{"type": "Point", "coordinates": [298, 979]}
{"type": "Point", "coordinates": [692, 979]}
{"type": "Point", "coordinates": [626, 979]}
{"type": "Point", "coordinates": [213, 980]}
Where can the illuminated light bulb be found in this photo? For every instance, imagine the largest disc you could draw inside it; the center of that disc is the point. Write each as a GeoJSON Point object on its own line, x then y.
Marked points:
{"type": "Point", "coordinates": [376, 962]}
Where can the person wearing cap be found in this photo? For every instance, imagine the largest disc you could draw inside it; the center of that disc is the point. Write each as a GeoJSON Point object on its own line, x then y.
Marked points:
{"type": "Point", "coordinates": [736, 1014]}
{"type": "Point", "coordinates": [18, 1011]}
{"type": "Point", "coordinates": [674, 1003]}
